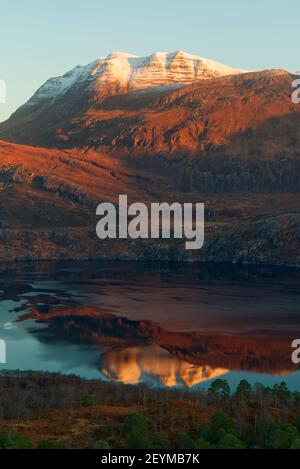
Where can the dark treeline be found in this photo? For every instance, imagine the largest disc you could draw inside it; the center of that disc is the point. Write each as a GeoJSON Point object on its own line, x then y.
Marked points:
{"type": "Point", "coordinates": [250, 417]}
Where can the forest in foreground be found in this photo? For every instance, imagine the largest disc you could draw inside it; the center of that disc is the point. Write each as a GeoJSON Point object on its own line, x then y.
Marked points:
{"type": "Point", "coordinates": [49, 410]}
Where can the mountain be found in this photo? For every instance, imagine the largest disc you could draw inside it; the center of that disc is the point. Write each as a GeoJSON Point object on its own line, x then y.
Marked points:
{"type": "Point", "coordinates": [62, 99]}
{"type": "Point", "coordinates": [233, 133]}
{"type": "Point", "coordinates": [152, 128]}
{"type": "Point", "coordinates": [247, 116]}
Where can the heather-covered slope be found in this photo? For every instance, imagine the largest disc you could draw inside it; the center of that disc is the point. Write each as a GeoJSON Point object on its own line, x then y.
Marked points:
{"type": "Point", "coordinates": [48, 200]}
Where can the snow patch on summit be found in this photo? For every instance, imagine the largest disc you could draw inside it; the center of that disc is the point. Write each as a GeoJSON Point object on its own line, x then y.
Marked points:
{"type": "Point", "coordinates": [60, 85]}
{"type": "Point", "coordinates": [121, 72]}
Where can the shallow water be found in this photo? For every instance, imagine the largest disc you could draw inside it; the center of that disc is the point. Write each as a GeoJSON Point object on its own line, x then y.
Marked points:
{"type": "Point", "coordinates": [164, 325]}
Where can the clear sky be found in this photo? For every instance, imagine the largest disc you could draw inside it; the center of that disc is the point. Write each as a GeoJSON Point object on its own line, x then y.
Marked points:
{"type": "Point", "coordinates": [41, 39]}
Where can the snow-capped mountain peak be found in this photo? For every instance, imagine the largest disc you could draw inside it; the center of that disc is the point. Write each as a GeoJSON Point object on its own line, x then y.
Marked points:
{"type": "Point", "coordinates": [122, 72]}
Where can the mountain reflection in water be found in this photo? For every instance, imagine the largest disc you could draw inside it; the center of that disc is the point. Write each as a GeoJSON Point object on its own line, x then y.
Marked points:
{"type": "Point", "coordinates": [133, 365]}
{"type": "Point", "coordinates": [167, 325]}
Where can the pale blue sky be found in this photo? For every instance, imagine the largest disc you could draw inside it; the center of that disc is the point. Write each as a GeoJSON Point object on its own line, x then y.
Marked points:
{"type": "Point", "coordinates": [40, 39]}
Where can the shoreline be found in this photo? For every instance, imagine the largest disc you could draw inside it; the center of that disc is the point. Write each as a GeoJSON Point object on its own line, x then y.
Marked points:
{"type": "Point", "coordinates": [144, 261]}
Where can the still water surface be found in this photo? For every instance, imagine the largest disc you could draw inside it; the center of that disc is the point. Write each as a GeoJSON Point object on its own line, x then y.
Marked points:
{"type": "Point", "coordinates": [166, 325]}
